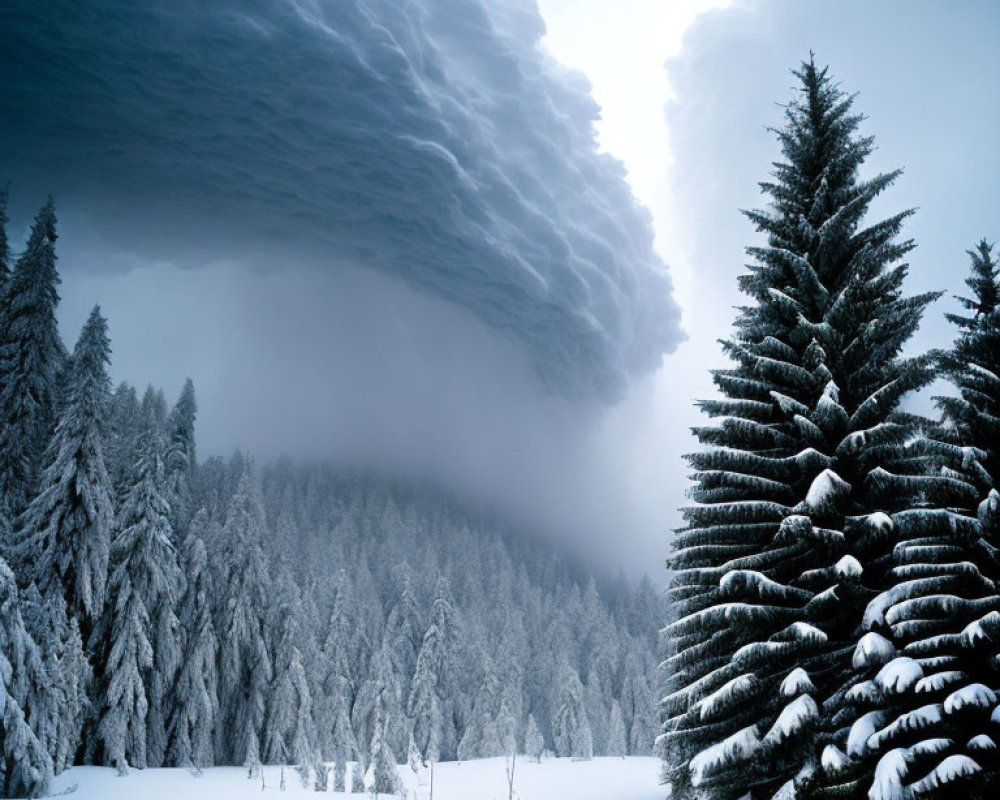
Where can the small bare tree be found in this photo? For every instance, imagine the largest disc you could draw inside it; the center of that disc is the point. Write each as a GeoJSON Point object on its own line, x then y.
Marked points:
{"type": "Point", "coordinates": [510, 775]}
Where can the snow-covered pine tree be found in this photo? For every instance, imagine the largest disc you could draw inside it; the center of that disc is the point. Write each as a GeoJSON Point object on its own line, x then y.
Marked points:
{"type": "Point", "coordinates": [382, 687]}
{"type": "Point", "coordinates": [313, 626]}
{"type": "Point", "coordinates": [31, 359]}
{"type": "Point", "coordinates": [196, 708]}
{"type": "Point", "coordinates": [342, 744]}
{"type": "Point", "coordinates": [4, 242]}
{"type": "Point", "coordinates": [57, 712]}
{"type": "Point", "coordinates": [483, 737]}
{"type": "Point", "coordinates": [78, 679]}
{"type": "Point", "coordinates": [121, 729]}
{"type": "Point", "coordinates": [154, 409]}
{"type": "Point", "coordinates": [381, 776]}
{"type": "Point", "coordinates": [921, 705]}
{"type": "Point", "coordinates": [600, 664]}
{"type": "Point", "coordinates": [404, 628]}
{"type": "Point", "coordinates": [638, 701]}
{"type": "Point", "coordinates": [26, 767]}
{"type": "Point", "coordinates": [776, 565]}
{"type": "Point", "coordinates": [534, 743]}
{"type": "Point", "coordinates": [245, 664]}
{"type": "Point", "coordinates": [333, 709]}
{"type": "Point", "coordinates": [144, 589]}
{"type": "Point", "coordinates": [161, 601]}
{"type": "Point", "coordinates": [506, 728]}
{"type": "Point", "coordinates": [972, 365]}
{"type": "Point", "coordinates": [180, 459]}
{"type": "Point", "coordinates": [124, 424]}
{"type": "Point", "coordinates": [570, 726]}
{"type": "Point", "coordinates": [289, 735]}
{"type": "Point", "coordinates": [424, 705]}
{"type": "Point", "coordinates": [616, 745]}
{"type": "Point", "coordinates": [359, 771]}
{"type": "Point", "coordinates": [428, 707]}
{"type": "Point", "coordinates": [454, 694]}
{"type": "Point", "coordinates": [510, 659]}
{"type": "Point", "coordinates": [63, 538]}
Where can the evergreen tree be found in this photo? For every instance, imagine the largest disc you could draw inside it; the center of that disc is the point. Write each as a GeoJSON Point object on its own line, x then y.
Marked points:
{"type": "Point", "coordinates": [920, 706]}
{"type": "Point", "coordinates": [122, 726]}
{"type": "Point", "coordinates": [58, 712]}
{"type": "Point", "coordinates": [791, 535]}
{"type": "Point", "coordinates": [289, 736]}
{"type": "Point", "coordinates": [196, 708]}
{"type": "Point", "coordinates": [435, 661]}
{"type": "Point", "coordinates": [312, 628]}
{"type": "Point", "coordinates": [154, 410]}
{"type": "Point", "coordinates": [245, 663]}
{"type": "Point", "coordinates": [570, 726]}
{"type": "Point", "coordinates": [534, 743]}
{"type": "Point", "coordinates": [510, 659]}
{"type": "Point", "coordinates": [404, 628]}
{"type": "Point", "coordinates": [124, 424]}
{"type": "Point", "coordinates": [972, 365]}
{"type": "Point", "coordinates": [424, 706]}
{"type": "Point", "coordinates": [483, 737]}
{"type": "Point", "coordinates": [4, 244]}
{"type": "Point", "coordinates": [37, 689]}
{"type": "Point", "coordinates": [381, 777]}
{"type": "Point", "coordinates": [31, 359]}
{"type": "Point", "coordinates": [180, 459]}
{"type": "Point", "coordinates": [637, 702]}
{"type": "Point", "coordinates": [358, 773]}
{"type": "Point", "coordinates": [616, 746]}
{"type": "Point", "coordinates": [506, 729]}
{"type": "Point", "coordinates": [333, 719]}
{"type": "Point", "coordinates": [343, 745]}
{"type": "Point", "coordinates": [27, 766]}
{"type": "Point", "coordinates": [144, 590]}
{"type": "Point", "coordinates": [382, 688]}
{"type": "Point", "coordinates": [76, 677]}
{"type": "Point", "coordinates": [64, 536]}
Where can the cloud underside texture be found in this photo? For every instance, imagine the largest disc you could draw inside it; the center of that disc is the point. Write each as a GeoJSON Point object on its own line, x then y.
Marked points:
{"type": "Point", "coordinates": [432, 140]}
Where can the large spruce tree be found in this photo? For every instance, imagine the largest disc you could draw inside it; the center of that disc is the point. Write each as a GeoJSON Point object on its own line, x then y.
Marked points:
{"type": "Point", "coordinates": [972, 365]}
{"type": "Point", "coordinates": [196, 709]}
{"type": "Point", "coordinates": [25, 765]}
{"type": "Point", "coordinates": [245, 666]}
{"type": "Point", "coordinates": [921, 703]}
{"type": "Point", "coordinates": [138, 641]}
{"type": "Point", "coordinates": [791, 536]}
{"type": "Point", "coordinates": [64, 537]}
{"type": "Point", "coordinates": [289, 734]}
{"type": "Point", "coordinates": [4, 243]}
{"type": "Point", "coordinates": [337, 741]}
{"type": "Point", "coordinates": [31, 359]}
{"type": "Point", "coordinates": [180, 460]}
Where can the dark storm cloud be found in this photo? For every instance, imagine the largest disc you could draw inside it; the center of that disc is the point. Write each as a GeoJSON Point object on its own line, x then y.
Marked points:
{"type": "Point", "coordinates": [432, 140]}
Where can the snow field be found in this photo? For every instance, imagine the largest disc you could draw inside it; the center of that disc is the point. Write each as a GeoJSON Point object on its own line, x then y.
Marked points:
{"type": "Point", "coordinates": [633, 778]}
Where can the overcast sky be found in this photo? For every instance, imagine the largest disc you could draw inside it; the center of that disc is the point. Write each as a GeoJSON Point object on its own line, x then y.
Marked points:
{"type": "Point", "coordinates": [384, 232]}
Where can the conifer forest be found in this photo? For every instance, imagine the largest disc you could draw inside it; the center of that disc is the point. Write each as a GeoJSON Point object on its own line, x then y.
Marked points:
{"type": "Point", "coordinates": [480, 401]}
{"type": "Point", "coordinates": [161, 611]}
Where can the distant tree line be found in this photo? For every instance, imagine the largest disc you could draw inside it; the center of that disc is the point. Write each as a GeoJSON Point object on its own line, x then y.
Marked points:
{"type": "Point", "coordinates": [155, 611]}
{"type": "Point", "coordinates": [835, 612]}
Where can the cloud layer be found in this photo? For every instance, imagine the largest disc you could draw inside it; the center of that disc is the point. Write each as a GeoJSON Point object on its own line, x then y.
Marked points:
{"type": "Point", "coordinates": [432, 140]}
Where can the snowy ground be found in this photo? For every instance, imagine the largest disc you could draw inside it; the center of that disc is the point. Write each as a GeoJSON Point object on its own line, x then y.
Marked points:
{"type": "Point", "coordinates": [486, 779]}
